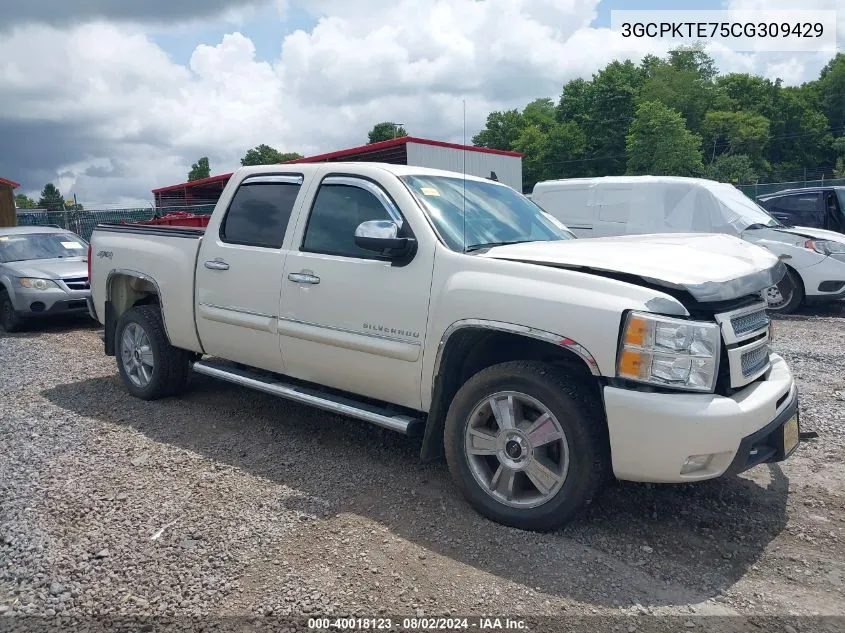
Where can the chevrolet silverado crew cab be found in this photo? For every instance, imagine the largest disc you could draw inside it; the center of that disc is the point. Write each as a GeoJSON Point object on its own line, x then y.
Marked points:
{"type": "Point", "coordinates": [455, 309]}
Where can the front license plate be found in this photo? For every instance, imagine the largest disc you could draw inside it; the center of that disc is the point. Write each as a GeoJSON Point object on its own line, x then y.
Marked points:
{"type": "Point", "coordinates": [790, 434]}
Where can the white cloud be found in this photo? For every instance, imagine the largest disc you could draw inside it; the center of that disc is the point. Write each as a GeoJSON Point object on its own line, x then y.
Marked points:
{"type": "Point", "coordinates": [109, 115]}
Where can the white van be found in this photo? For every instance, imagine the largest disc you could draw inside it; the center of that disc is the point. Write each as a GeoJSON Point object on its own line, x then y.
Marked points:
{"type": "Point", "coordinates": [632, 205]}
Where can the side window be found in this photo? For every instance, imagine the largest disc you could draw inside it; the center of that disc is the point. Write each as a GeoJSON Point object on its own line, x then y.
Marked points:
{"type": "Point", "coordinates": [259, 212]}
{"type": "Point", "coordinates": [337, 211]}
{"type": "Point", "coordinates": [803, 209]}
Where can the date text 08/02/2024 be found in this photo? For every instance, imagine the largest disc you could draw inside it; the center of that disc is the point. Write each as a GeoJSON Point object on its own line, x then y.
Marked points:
{"type": "Point", "coordinates": [417, 624]}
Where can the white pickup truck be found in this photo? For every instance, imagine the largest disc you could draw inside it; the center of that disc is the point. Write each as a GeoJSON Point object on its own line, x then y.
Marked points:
{"type": "Point", "coordinates": [456, 309]}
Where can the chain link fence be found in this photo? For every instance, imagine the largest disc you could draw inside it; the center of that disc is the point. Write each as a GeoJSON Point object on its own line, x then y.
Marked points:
{"type": "Point", "coordinates": [83, 222]}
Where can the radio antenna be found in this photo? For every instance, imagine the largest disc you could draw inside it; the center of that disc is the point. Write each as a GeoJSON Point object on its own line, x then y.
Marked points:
{"type": "Point", "coordinates": [464, 232]}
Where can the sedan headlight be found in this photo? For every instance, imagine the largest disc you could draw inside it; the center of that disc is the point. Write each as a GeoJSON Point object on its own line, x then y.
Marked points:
{"type": "Point", "coordinates": [668, 352]}
{"type": "Point", "coordinates": [38, 284]}
{"type": "Point", "coordinates": [826, 247]}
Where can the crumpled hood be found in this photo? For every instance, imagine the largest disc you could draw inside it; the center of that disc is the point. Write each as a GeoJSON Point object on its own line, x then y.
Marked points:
{"type": "Point", "coordinates": [63, 268]}
{"type": "Point", "coordinates": [711, 267]}
{"type": "Point", "coordinates": [811, 233]}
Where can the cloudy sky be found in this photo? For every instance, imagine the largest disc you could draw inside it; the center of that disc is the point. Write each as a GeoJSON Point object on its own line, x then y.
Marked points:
{"type": "Point", "coordinates": [109, 99]}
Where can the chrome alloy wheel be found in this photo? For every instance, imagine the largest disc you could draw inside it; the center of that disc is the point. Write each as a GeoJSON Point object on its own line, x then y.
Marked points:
{"type": "Point", "coordinates": [516, 449]}
{"type": "Point", "coordinates": [136, 354]}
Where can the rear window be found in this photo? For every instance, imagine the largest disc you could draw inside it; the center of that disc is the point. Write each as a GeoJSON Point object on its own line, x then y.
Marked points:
{"type": "Point", "coordinates": [259, 213]}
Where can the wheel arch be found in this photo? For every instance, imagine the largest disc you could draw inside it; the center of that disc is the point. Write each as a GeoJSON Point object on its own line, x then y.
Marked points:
{"type": "Point", "coordinates": [126, 289]}
{"type": "Point", "coordinates": [470, 345]}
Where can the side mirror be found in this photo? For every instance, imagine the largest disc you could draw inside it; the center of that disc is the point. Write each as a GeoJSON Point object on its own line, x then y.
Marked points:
{"type": "Point", "coordinates": [381, 236]}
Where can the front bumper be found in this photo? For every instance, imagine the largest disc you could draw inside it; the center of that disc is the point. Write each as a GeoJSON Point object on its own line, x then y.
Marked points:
{"type": "Point", "coordinates": [29, 303]}
{"type": "Point", "coordinates": [653, 434]}
{"type": "Point", "coordinates": [829, 269]}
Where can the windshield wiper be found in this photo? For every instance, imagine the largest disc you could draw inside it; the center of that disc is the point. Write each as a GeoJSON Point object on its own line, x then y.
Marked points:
{"type": "Point", "coordinates": [475, 247]}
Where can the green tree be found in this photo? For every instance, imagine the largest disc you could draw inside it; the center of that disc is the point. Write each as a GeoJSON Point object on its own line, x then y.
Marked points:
{"type": "Point", "coordinates": [573, 102]}
{"type": "Point", "coordinates": [51, 198]}
{"type": "Point", "coordinates": [501, 130]}
{"type": "Point", "coordinates": [732, 168]}
{"type": "Point", "coordinates": [684, 89]}
{"type": "Point", "coordinates": [266, 155]}
{"type": "Point", "coordinates": [659, 144]}
{"type": "Point", "coordinates": [735, 133]}
{"type": "Point", "coordinates": [551, 153]}
{"type": "Point", "coordinates": [695, 59]}
{"type": "Point", "coordinates": [839, 169]}
{"type": "Point", "coordinates": [610, 99]}
{"type": "Point", "coordinates": [200, 169]}
{"type": "Point", "coordinates": [540, 113]}
{"type": "Point", "coordinates": [24, 202]}
{"type": "Point", "coordinates": [385, 131]}
{"type": "Point", "coordinates": [831, 91]}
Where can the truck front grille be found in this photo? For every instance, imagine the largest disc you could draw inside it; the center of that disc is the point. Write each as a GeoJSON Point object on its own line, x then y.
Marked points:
{"type": "Point", "coordinates": [755, 360]}
{"type": "Point", "coordinates": [745, 332]}
{"type": "Point", "coordinates": [749, 322]}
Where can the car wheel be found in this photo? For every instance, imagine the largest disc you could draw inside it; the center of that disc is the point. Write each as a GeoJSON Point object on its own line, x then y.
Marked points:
{"type": "Point", "coordinates": [526, 445]}
{"type": "Point", "coordinates": [786, 297]}
{"type": "Point", "coordinates": [150, 366]}
{"type": "Point", "coordinates": [9, 317]}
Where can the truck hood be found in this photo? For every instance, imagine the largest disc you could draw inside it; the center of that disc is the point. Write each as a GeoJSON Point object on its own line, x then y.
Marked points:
{"type": "Point", "coordinates": [709, 267]}
{"type": "Point", "coordinates": [64, 268]}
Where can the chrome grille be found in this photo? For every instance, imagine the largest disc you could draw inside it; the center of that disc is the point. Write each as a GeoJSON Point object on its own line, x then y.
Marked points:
{"type": "Point", "coordinates": [746, 335]}
{"type": "Point", "coordinates": [755, 360]}
{"type": "Point", "coordinates": [77, 283]}
{"type": "Point", "coordinates": [746, 323]}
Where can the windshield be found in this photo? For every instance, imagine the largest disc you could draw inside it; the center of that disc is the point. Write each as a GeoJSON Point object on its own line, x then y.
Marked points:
{"type": "Point", "coordinates": [495, 214]}
{"type": "Point", "coordinates": [26, 246]}
{"type": "Point", "coordinates": [742, 212]}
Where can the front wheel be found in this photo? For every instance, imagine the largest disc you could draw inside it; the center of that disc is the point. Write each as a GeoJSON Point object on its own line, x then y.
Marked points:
{"type": "Point", "coordinates": [526, 446]}
{"type": "Point", "coordinates": [786, 297]}
{"type": "Point", "coordinates": [9, 317]}
{"type": "Point", "coordinates": [150, 366]}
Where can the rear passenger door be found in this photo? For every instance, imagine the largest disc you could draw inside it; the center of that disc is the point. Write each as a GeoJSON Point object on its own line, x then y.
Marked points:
{"type": "Point", "coordinates": [239, 271]}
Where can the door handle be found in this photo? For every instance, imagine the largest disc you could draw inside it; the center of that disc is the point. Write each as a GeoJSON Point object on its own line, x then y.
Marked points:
{"type": "Point", "coordinates": [303, 278]}
{"type": "Point", "coordinates": [216, 264]}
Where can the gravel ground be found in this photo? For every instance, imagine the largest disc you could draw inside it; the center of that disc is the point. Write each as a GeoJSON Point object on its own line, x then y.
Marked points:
{"type": "Point", "coordinates": [229, 502]}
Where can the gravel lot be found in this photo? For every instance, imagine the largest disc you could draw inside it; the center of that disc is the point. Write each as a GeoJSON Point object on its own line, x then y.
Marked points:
{"type": "Point", "coordinates": [230, 502]}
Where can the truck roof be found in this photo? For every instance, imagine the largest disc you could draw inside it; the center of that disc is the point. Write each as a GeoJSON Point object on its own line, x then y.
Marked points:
{"type": "Point", "coordinates": [360, 167]}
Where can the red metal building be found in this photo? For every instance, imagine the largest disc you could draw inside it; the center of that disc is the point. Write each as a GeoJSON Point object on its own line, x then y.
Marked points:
{"type": "Point", "coordinates": [406, 150]}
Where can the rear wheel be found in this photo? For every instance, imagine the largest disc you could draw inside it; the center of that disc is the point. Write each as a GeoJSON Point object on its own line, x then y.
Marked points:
{"type": "Point", "coordinates": [150, 366]}
{"type": "Point", "coordinates": [525, 445]}
{"type": "Point", "coordinates": [9, 317]}
{"type": "Point", "coordinates": [786, 297]}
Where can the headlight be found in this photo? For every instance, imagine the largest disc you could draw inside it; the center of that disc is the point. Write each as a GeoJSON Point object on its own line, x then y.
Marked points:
{"type": "Point", "coordinates": [38, 284]}
{"type": "Point", "coordinates": [825, 247]}
{"type": "Point", "coordinates": [669, 352]}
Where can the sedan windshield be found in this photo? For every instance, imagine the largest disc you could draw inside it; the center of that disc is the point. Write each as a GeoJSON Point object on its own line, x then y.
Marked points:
{"type": "Point", "coordinates": [495, 214]}
{"type": "Point", "coordinates": [27, 246]}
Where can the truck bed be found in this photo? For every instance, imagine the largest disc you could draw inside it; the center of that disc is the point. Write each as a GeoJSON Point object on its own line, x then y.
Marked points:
{"type": "Point", "coordinates": [165, 254]}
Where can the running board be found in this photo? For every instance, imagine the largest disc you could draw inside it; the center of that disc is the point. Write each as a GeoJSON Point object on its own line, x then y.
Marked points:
{"type": "Point", "coordinates": [383, 417]}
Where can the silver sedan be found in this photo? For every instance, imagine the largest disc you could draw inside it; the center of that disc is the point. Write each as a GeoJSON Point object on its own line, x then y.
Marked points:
{"type": "Point", "coordinates": [43, 271]}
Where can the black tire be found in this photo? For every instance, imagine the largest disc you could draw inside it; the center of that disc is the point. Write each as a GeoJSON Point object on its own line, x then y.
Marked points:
{"type": "Point", "coordinates": [10, 320]}
{"type": "Point", "coordinates": [791, 290]}
{"type": "Point", "coordinates": [579, 413]}
{"type": "Point", "coordinates": [171, 366]}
